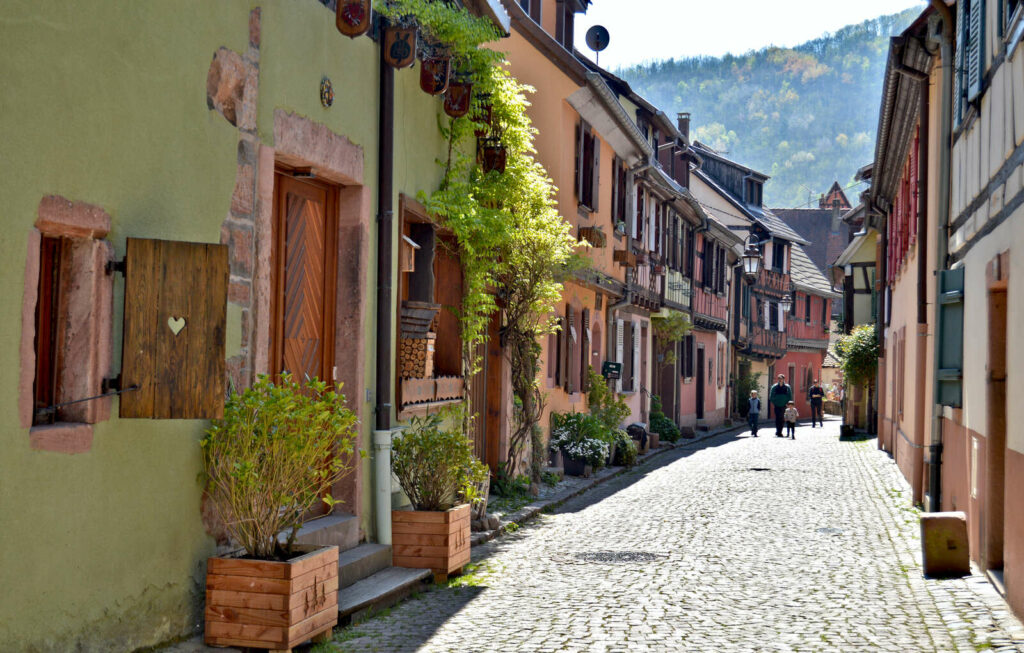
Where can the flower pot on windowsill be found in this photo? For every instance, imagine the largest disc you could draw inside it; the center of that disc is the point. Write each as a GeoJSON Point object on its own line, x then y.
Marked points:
{"type": "Point", "coordinates": [271, 604]}
{"type": "Point", "coordinates": [434, 540]}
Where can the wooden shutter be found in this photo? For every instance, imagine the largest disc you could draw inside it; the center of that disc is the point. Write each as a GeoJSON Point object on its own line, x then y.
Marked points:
{"type": "Point", "coordinates": [584, 362]}
{"type": "Point", "coordinates": [595, 174]}
{"type": "Point", "coordinates": [552, 363]}
{"type": "Point", "coordinates": [958, 62]}
{"type": "Point", "coordinates": [578, 179]}
{"type": "Point", "coordinates": [636, 360]}
{"type": "Point", "coordinates": [559, 375]}
{"type": "Point", "coordinates": [619, 337]}
{"type": "Point", "coordinates": [570, 350]}
{"type": "Point", "coordinates": [951, 333]}
{"type": "Point", "coordinates": [595, 344]}
{"type": "Point", "coordinates": [175, 313]}
{"type": "Point", "coordinates": [975, 55]}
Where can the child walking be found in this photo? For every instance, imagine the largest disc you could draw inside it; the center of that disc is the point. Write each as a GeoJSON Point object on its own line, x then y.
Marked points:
{"type": "Point", "coordinates": [753, 412]}
{"type": "Point", "coordinates": [790, 416]}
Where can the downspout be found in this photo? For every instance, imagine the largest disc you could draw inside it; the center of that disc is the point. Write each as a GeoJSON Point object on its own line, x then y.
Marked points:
{"type": "Point", "coordinates": [941, 248]}
{"type": "Point", "coordinates": [385, 213]}
{"type": "Point", "coordinates": [880, 312]}
{"type": "Point", "coordinates": [922, 291]}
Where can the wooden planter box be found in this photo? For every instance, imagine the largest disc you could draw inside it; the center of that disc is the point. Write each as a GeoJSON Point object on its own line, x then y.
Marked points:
{"type": "Point", "coordinates": [272, 605]}
{"type": "Point", "coordinates": [439, 541]}
{"type": "Point", "coordinates": [653, 440]}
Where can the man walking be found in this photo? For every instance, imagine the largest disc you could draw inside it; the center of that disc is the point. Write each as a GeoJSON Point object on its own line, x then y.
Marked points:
{"type": "Point", "coordinates": [780, 395]}
{"type": "Point", "coordinates": [817, 396]}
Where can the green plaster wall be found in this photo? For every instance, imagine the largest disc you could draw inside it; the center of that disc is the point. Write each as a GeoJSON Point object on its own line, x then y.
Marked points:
{"type": "Point", "coordinates": [106, 104]}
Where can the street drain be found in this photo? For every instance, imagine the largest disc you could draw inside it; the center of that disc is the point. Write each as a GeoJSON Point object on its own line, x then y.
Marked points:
{"type": "Point", "coordinates": [620, 556]}
{"type": "Point", "coordinates": [830, 531]}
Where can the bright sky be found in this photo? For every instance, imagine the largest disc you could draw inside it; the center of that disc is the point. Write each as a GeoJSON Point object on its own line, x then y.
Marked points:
{"type": "Point", "coordinates": [646, 30]}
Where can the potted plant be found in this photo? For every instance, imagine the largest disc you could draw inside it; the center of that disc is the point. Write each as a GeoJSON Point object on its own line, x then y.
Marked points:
{"type": "Point", "coordinates": [661, 426]}
{"type": "Point", "coordinates": [582, 441]}
{"type": "Point", "coordinates": [274, 455]}
{"type": "Point", "coordinates": [434, 462]}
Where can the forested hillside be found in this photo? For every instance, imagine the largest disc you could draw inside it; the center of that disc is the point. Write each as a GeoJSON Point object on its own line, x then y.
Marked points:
{"type": "Point", "coordinates": [807, 115]}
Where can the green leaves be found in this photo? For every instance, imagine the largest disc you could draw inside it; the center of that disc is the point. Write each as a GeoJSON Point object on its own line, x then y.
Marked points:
{"type": "Point", "coordinates": [276, 452]}
{"type": "Point", "coordinates": [858, 355]}
{"type": "Point", "coordinates": [434, 461]}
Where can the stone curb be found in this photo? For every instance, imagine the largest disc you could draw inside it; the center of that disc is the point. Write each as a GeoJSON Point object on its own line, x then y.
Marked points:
{"type": "Point", "coordinates": [527, 513]}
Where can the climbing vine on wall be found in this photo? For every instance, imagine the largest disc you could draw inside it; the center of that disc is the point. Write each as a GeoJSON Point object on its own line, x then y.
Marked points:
{"type": "Point", "coordinates": [514, 247]}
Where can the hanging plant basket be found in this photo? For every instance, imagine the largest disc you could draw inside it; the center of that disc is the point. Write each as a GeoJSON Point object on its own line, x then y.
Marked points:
{"type": "Point", "coordinates": [435, 67]}
{"type": "Point", "coordinates": [483, 114]}
{"type": "Point", "coordinates": [353, 17]}
{"type": "Point", "coordinates": [459, 97]}
{"type": "Point", "coordinates": [400, 43]}
{"type": "Point", "coordinates": [493, 155]}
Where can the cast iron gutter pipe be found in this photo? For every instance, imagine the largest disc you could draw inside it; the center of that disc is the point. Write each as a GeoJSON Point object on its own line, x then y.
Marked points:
{"type": "Point", "coordinates": [941, 248]}
{"type": "Point", "coordinates": [385, 216]}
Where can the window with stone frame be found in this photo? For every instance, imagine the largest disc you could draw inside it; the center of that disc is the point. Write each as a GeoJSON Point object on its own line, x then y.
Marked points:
{"type": "Point", "coordinates": [66, 326]}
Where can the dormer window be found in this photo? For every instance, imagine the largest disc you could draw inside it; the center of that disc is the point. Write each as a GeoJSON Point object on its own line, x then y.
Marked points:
{"type": "Point", "coordinates": [752, 192]}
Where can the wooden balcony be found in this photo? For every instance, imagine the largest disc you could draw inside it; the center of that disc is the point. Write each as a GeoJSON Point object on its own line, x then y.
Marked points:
{"type": "Point", "coordinates": [766, 342]}
{"type": "Point", "coordinates": [646, 286]}
{"type": "Point", "coordinates": [772, 283]}
{"type": "Point", "coordinates": [710, 310]}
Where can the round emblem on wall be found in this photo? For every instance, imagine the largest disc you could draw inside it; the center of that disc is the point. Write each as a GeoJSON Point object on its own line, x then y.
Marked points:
{"type": "Point", "coordinates": [326, 92]}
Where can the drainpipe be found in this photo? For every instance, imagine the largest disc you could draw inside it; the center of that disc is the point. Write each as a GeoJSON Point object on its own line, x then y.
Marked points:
{"type": "Point", "coordinates": [385, 214]}
{"type": "Point", "coordinates": [922, 286]}
{"type": "Point", "coordinates": [941, 249]}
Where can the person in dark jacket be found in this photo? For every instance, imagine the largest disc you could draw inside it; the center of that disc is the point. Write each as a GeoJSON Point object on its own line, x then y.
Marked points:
{"type": "Point", "coordinates": [780, 395]}
{"type": "Point", "coordinates": [817, 396]}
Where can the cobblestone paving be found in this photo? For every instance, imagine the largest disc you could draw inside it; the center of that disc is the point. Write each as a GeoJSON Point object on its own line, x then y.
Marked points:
{"type": "Point", "coordinates": [733, 544]}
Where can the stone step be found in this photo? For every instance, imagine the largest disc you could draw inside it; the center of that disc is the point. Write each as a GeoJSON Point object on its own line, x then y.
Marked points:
{"type": "Point", "coordinates": [381, 590]}
{"type": "Point", "coordinates": [364, 560]}
{"type": "Point", "coordinates": [340, 530]}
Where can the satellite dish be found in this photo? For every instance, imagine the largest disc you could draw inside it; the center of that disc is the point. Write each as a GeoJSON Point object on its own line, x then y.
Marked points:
{"type": "Point", "coordinates": [597, 40]}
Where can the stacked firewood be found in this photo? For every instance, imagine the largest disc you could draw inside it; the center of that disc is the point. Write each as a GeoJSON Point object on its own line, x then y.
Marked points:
{"type": "Point", "coordinates": [416, 357]}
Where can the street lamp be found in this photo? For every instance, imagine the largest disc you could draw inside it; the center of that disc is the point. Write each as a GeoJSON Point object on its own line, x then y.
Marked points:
{"type": "Point", "coordinates": [751, 260]}
{"type": "Point", "coordinates": [786, 302]}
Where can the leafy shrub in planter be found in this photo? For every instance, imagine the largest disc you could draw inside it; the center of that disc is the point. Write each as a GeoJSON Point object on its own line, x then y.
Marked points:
{"type": "Point", "coordinates": [661, 424]}
{"type": "Point", "coordinates": [625, 449]}
{"type": "Point", "coordinates": [580, 436]}
{"type": "Point", "coordinates": [435, 464]}
{"type": "Point", "coordinates": [276, 452]}
{"type": "Point", "coordinates": [604, 404]}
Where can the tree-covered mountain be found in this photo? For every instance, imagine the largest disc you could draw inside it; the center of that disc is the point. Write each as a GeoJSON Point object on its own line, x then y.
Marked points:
{"type": "Point", "coordinates": [807, 115]}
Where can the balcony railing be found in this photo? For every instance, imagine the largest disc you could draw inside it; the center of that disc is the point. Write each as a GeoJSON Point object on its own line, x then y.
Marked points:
{"type": "Point", "coordinates": [772, 282]}
{"type": "Point", "coordinates": [710, 309]}
{"type": "Point", "coordinates": [647, 284]}
{"type": "Point", "coordinates": [766, 342]}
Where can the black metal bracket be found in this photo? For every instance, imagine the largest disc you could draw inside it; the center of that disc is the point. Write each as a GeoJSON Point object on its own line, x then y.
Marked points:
{"type": "Point", "coordinates": [115, 266]}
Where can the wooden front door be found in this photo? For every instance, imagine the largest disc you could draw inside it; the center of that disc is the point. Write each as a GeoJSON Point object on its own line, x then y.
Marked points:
{"type": "Point", "coordinates": [305, 266]}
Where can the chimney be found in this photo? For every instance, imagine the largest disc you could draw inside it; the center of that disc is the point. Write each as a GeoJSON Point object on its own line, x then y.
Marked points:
{"type": "Point", "coordinates": [684, 124]}
{"type": "Point", "coordinates": [835, 215]}
{"type": "Point", "coordinates": [821, 201]}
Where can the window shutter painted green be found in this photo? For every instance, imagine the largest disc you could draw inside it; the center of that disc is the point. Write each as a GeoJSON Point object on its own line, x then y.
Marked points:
{"type": "Point", "coordinates": [951, 344]}
{"type": "Point", "coordinates": [975, 62]}
{"type": "Point", "coordinates": [958, 62]}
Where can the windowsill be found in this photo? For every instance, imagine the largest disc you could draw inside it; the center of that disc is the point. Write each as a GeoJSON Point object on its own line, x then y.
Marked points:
{"type": "Point", "coordinates": [424, 409]}
{"type": "Point", "coordinates": [62, 437]}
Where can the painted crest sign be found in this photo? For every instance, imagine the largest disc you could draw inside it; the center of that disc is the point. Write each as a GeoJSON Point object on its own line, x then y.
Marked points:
{"type": "Point", "coordinates": [353, 17]}
{"type": "Point", "coordinates": [400, 46]}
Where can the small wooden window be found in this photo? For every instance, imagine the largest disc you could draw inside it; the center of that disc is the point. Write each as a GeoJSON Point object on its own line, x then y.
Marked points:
{"type": "Point", "coordinates": [48, 326]}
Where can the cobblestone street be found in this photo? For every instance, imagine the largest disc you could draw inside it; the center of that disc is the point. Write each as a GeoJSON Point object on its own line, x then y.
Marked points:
{"type": "Point", "coordinates": [730, 544]}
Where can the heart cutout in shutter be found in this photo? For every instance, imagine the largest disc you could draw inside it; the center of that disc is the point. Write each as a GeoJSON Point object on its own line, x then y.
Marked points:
{"type": "Point", "coordinates": [176, 324]}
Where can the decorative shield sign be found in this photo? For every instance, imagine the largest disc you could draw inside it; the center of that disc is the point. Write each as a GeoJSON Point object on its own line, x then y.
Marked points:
{"type": "Point", "coordinates": [434, 74]}
{"type": "Point", "coordinates": [458, 98]}
{"type": "Point", "coordinates": [353, 17]}
{"type": "Point", "coordinates": [400, 46]}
